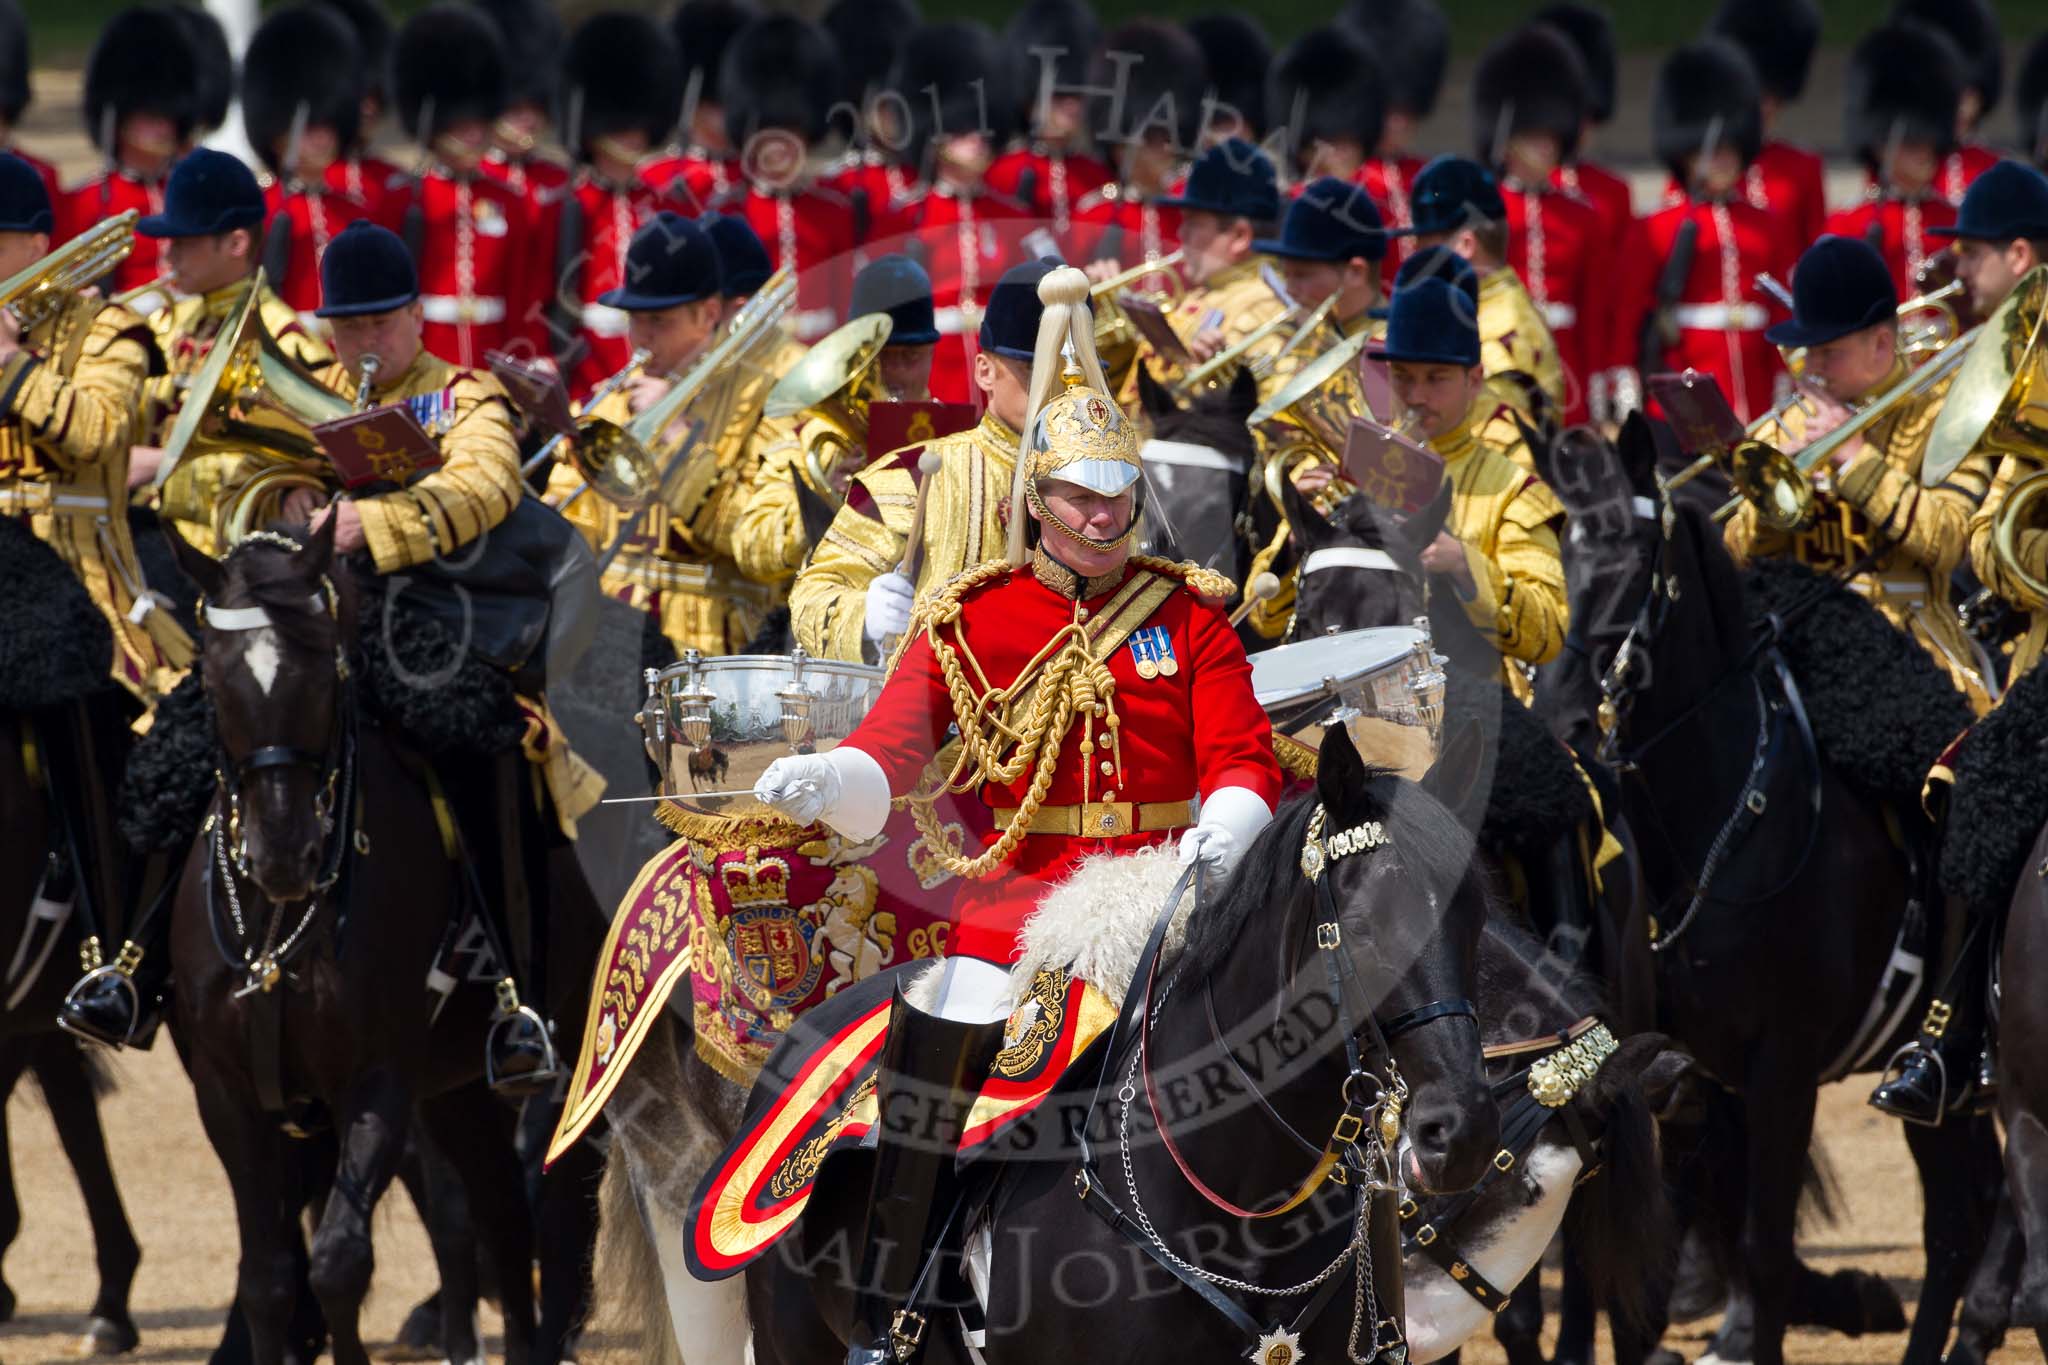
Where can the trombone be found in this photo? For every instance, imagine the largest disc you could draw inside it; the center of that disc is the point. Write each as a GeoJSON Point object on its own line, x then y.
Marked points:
{"type": "Point", "coordinates": [611, 385]}
{"type": "Point", "coordinates": [1116, 336]}
{"type": "Point", "coordinates": [1210, 371]}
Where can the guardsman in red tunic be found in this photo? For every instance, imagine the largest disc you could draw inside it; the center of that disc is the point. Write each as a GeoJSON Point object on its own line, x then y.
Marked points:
{"type": "Point", "coordinates": [1054, 44]}
{"type": "Point", "coordinates": [779, 76]}
{"type": "Point", "coordinates": [1528, 106]}
{"type": "Point", "coordinates": [2030, 103]}
{"type": "Point", "coordinates": [622, 83]}
{"type": "Point", "coordinates": [483, 285]}
{"type": "Point", "coordinates": [868, 112]}
{"type": "Point", "coordinates": [1148, 122]}
{"type": "Point", "coordinates": [1779, 37]}
{"type": "Point", "coordinates": [1692, 299]}
{"type": "Point", "coordinates": [963, 233]}
{"type": "Point", "coordinates": [707, 164]}
{"type": "Point", "coordinates": [1905, 83]}
{"type": "Point", "coordinates": [1411, 42]}
{"type": "Point", "coordinates": [1972, 25]}
{"type": "Point", "coordinates": [1237, 54]}
{"type": "Point", "coordinates": [14, 90]}
{"type": "Point", "coordinates": [357, 173]}
{"type": "Point", "coordinates": [1153, 710]}
{"type": "Point", "coordinates": [533, 36]}
{"type": "Point", "coordinates": [141, 104]}
{"type": "Point", "coordinates": [302, 102]}
{"type": "Point", "coordinates": [1326, 97]}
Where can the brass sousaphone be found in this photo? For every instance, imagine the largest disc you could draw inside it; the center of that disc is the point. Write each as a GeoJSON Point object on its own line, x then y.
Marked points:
{"type": "Point", "coordinates": [832, 388]}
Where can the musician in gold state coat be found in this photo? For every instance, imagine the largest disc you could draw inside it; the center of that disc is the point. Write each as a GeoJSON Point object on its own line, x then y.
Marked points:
{"type": "Point", "coordinates": [212, 229]}
{"type": "Point", "coordinates": [854, 597]}
{"type": "Point", "coordinates": [69, 383]}
{"type": "Point", "coordinates": [1458, 204]}
{"type": "Point", "coordinates": [1499, 547]}
{"type": "Point", "coordinates": [1869, 492]}
{"type": "Point", "coordinates": [769, 540]}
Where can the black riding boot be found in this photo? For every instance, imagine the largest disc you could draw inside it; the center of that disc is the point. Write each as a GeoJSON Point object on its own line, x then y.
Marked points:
{"type": "Point", "coordinates": [519, 1050]}
{"type": "Point", "coordinates": [930, 1071]}
{"type": "Point", "coordinates": [120, 1003]}
{"type": "Point", "coordinates": [1941, 1071]}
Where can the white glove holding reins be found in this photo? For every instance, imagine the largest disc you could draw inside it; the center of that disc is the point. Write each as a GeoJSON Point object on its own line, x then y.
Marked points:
{"type": "Point", "coordinates": [890, 598]}
{"type": "Point", "coordinates": [1231, 818]}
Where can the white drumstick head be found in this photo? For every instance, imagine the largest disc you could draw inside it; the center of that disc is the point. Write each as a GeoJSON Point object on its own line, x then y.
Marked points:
{"type": "Point", "coordinates": [928, 463]}
{"type": "Point", "coordinates": [1266, 587]}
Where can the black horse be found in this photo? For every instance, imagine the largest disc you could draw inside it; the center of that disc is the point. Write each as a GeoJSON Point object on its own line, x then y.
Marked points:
{"type": "Point", "coordinates": [1198, 466]}
{"type": "Point", "coordinates": [309, 914]}
{"type": "Point", "coordinates": [1779, 893]}
{"type": "Point", "coordinates": [1408, 915]}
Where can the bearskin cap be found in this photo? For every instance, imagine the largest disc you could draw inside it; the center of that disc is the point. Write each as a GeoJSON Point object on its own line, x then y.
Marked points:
{"type": "Point", "coordinates": [779, 73]}
{"type": "Point", "coordinates": [215, 91]}
{"type": "Point", "coordinates": [1779, 37]}
{"type": "Point", "coordinates": [533, 36]}
{"type": "Point", "coordinates": [1412, 39]}
{"type": "Point", "coordinates": [1067, 25]}
{"type": "Point", "coordinates": [142, 62]}
{"type": "Point", "coordinates": [869, 35]}
{"type": "Point", "coordinates": [1699, 85]}
{"type": "Point", "coordinates": [1904, 82]}
{"type": "Point", "coordinates": [2030, 98]}
{"type": "Point", "coordinates": [1238, 55]}
{"type": "Point", "coordinates": [703, 29]}
{"type": "Point", "coordinates": [1590, 31]}
{"type": "Point", "coordinates": [372, 25]}
{"type": "Point", "coordinates": [1156, 69]}
{"type": "Point", "coordinates": [1530, 81]}
{"type": "Point", "coordinates": [936, 73]}
{"type": "Point", "coordinates": [620, 74]}
{"type": "Point", "coordinates": [14, 61]}
{"type": "Point", "coordinates": [447, 63]}
{"type": "Point", "coordinates": [1327, 85]}
{"type": "Point", "coordinates": [305, 54]}
{"type": "Point", "coordinates": [1973, 26]}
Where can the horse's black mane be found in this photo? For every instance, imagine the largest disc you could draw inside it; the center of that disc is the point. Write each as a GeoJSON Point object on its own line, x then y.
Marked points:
{"type": "Point", "coordinates": [1434, 849]}
{"type": "Point", "coordinates": [1578, 991]}
{"type": "Point", "coordinates": [1206, 425]}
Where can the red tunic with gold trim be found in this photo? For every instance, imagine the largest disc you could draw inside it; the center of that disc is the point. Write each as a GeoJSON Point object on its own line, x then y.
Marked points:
{"type": "Point", "coordinates": [1721, 314]}
{"type": "Point", "coordinates": [874, 185]}
{"type": "Point", "coordinates": [377, 184]}
{"type": "Point", "coordinates": [694, 179]}
{"type": "Point", "coordinates": [112, 192]}
{"type": "Point", "coordinates": [603, 217]}
{"type": "Point", "coordinates": [484, 267]}
{"type": "Point", "coordinates": [965, 243]}
{"type": "Point", "coordinates": [1787, 181]}
{"type": "Point", "coordinates": [1558, 244]}
{"type": "Point", "coordinates": [1115, 223]}
{"type": "Point", "coordinates": [1388, 180]}
{"type": "Point", "coordinates": [1897, 227]}
{"type": "Point", "coordinates": [811, 230]}
{"type": "Point", "coordinates": [1049, 182]}
{"type": "Point", "coordinates": [310, 216]}
{"type": "Point", "coordinates": [1178, 735]}
{"type": "Point", "coordinates": [1601, 340]}
{"type": "Point", "coordinates": [536, 177]}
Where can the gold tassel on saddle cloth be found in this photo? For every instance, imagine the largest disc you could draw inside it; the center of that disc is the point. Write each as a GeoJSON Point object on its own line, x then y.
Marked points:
{"type": "Point", "coordinates": [573, 784]}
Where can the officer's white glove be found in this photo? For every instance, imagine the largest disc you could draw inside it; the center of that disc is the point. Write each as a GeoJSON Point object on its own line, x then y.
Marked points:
{"type": "Point", "coordinates": [1231, 818]}
{"type": "Point", "coordinates": [890, 598]}
{"type": "Point", "coordinates": [802, 787]}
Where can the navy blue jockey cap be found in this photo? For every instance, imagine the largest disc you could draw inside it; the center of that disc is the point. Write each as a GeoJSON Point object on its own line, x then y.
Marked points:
{"type": "Point", "coordinates": [898, 286]}
{"type": "Point", "coordinates": [208, 192]}
{"type": "Point", "coordinates": [1439, 262]}
{"type": "Point", "coordinates": [1841, 285]}
{"type": "Point", "coordinates": [743, 264]}
{"type": "Point", "coordinates": [366, 270]}
{"type": "Point", "coordinates": [1450, 193]}
{"type": "Point", "coordinates": [672, 261]}
{"type": "Point", "coordinates": [1010, 326]}
{"type": "Point", "coordinates": [2009, 201]}
{"type": "Point", "coordinates": [1233, 179]}
{"type": "Point", "coordinates": [24, 198]}
{"type": "Point", "coordinates": [1333, 221]}
{"type": "Point", "coordinates": [1432, 322]}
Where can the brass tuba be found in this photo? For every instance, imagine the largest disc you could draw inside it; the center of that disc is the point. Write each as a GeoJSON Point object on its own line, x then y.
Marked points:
{"type": "Point", "coordinates": [1310, 418]}
{"type": "Point", "coordinates": [1999, 402]}
{"type": "Point", "coordinates": [251, 399]}
{"type": "Point", "coordinates": [832, 386]}
{"type": "Point", "coordinates": [39, 289]}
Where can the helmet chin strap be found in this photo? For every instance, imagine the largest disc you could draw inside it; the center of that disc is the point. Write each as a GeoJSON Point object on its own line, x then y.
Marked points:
{"type": "Point", "coordinates": [1047, 517]}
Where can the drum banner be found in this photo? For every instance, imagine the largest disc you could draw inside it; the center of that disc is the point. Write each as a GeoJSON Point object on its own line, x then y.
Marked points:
{"type": "Point", "coordinates": [766, 919]}
{"type": "Point", "coordinates": [818, 1096]}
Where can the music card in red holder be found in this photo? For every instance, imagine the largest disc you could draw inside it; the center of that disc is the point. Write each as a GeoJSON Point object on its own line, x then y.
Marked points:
{"type": "Point", "coordinates": [383, 445]}
{"type": "Point", "coordinates": [1150, 320]}
{"type": "Point", "coordinates": [895, 426]}
{"type": "Point", "coordinates": [535, 390]}
{"type": "Point", "coordinates": [1392, 470]}
{"type": "Point", "coordinates": [1697, 410]}
{"type": "Point", "coordinates": [1378, 383]}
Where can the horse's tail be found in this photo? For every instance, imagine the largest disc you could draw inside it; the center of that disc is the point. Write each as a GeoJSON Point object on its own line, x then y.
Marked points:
{"type": "Point", "coordinates": [631, 1288]}
{"type": "Point", "coordinates": [1620, 1223]}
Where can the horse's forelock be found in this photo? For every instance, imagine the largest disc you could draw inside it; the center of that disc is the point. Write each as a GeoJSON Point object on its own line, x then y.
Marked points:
{"type": "Point", "coordinates": [277, 580]}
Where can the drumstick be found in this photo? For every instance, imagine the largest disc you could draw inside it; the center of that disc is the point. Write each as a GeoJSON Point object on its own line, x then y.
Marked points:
{"type": "Point", "coordinates": [927, 465]}
{"type": "Point", "coordinates": [676, 796]}
{"type": "Point", "coordinates": [1264, 589]}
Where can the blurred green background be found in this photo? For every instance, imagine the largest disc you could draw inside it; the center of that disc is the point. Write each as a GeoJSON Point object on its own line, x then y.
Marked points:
{"type": "Point", "coordinates": [63, 29]}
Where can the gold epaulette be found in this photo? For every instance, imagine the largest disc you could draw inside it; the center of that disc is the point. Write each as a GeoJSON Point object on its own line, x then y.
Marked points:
{"type": "Point", "coordinates": [1204, 583]}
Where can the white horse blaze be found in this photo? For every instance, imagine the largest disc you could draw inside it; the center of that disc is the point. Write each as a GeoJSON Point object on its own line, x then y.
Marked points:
{"type": "Point", "coordinates": [262, 658]}
{"type": "Point", "coordinates": [1441, 1316]}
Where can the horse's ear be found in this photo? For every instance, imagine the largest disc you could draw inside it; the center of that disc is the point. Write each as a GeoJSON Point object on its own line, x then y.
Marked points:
{"type": "Point", "coordinates": [1311, 527]}
{"type": "Point", "coordinates": [1152, 395]}
{"type": "Point", "coordinates": [1340, 772]}
{"type": "Point", "coordinates": [319, 551]}
{"type": "Point", "coordinates": [202, 568]}
{"type": "Point", "coordinates": [1637, 447]}
{"type": "Point", "coordinates": [1424, 526]}
{"type": "Point", "coordinates": [1456, 771]}
{"type": "Point", "coordinates": [1542, 450]}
